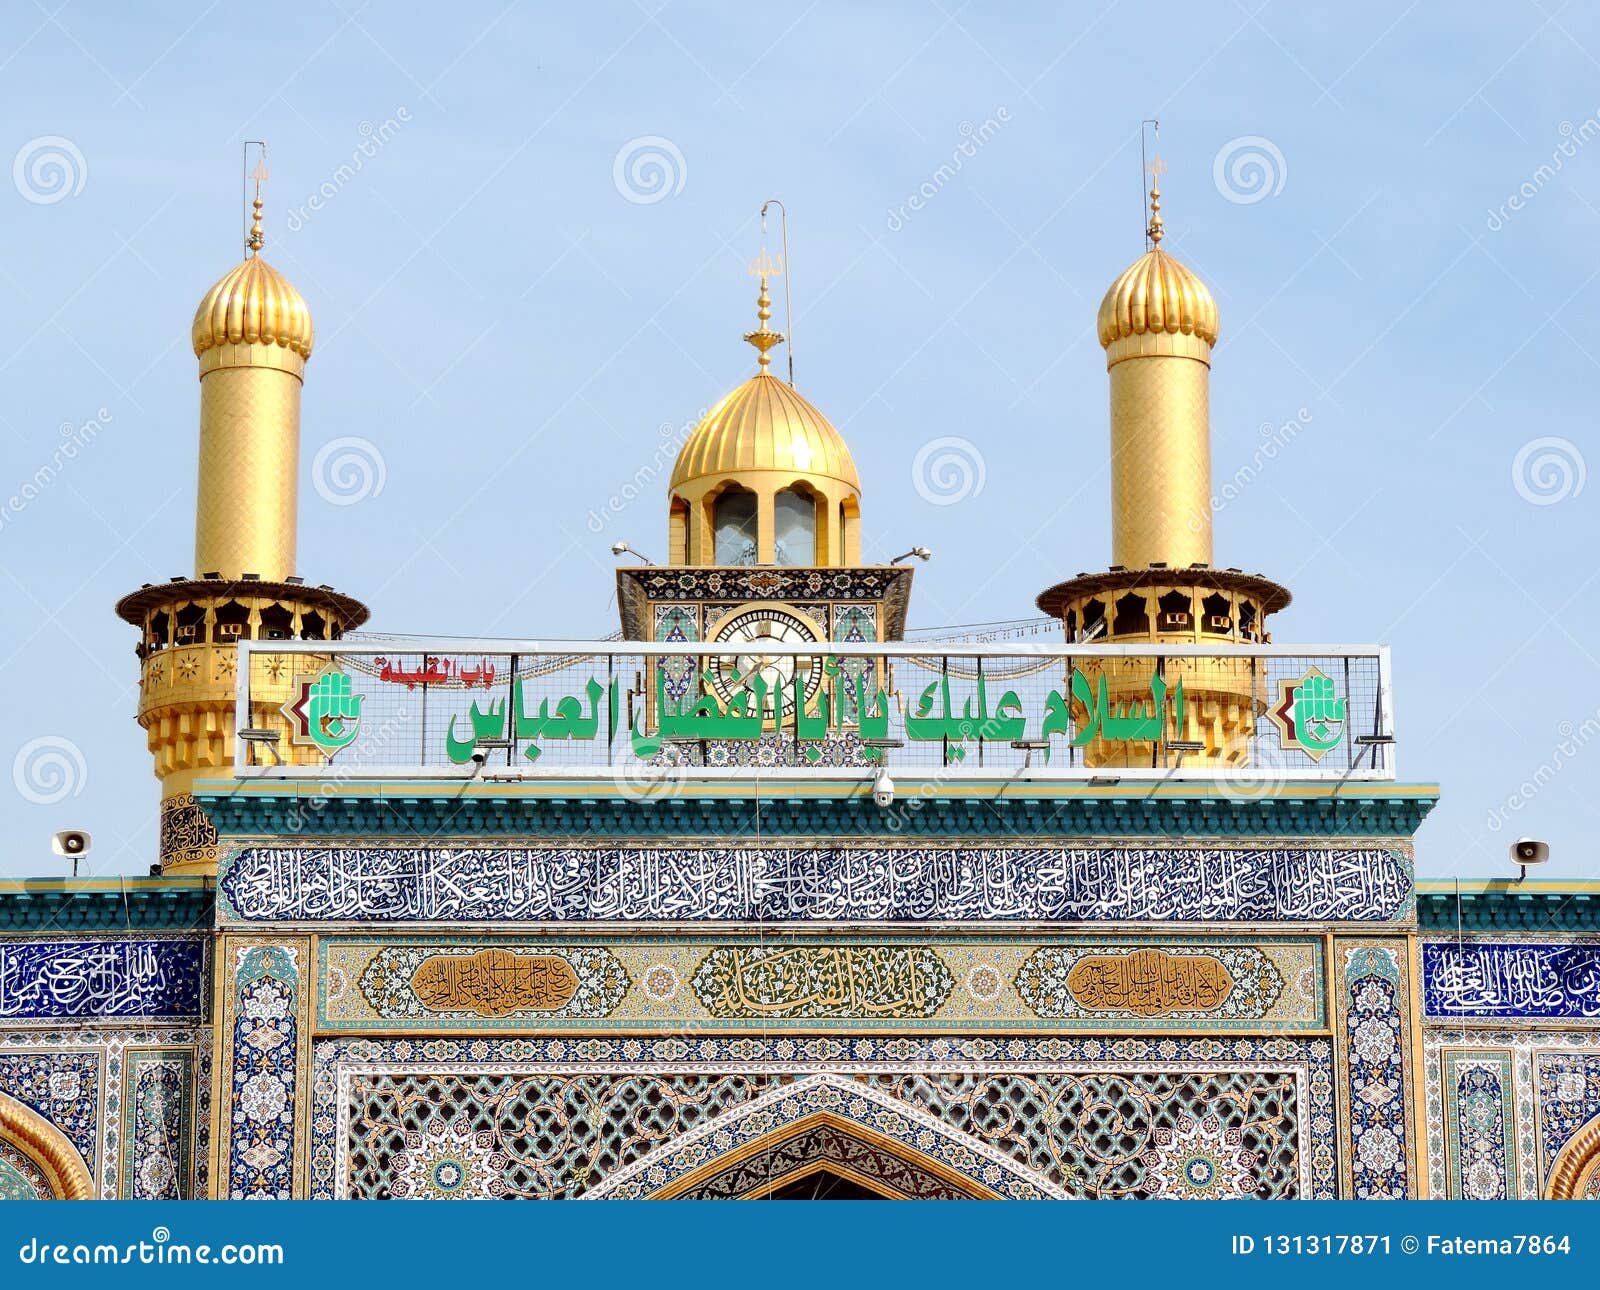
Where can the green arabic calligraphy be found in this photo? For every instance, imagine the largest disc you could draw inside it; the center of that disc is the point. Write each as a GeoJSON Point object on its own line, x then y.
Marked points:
{"type": "Point", "coordinates": [756, 706]}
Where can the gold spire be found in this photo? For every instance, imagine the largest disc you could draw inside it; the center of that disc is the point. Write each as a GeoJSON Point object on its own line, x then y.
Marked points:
{"type": "Point", "coordinates": [763, 337]}
{"type": "Point", "coordinates": [259, 174]}
{"type": "Point", "coordinates": [1155, 232]}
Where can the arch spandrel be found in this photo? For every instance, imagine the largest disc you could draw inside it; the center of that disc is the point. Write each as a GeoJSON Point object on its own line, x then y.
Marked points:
{"type": "Point", "coordinates": [902, 1138]}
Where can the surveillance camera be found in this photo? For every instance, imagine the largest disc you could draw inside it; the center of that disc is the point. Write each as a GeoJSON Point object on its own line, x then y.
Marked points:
{"type": "Point", "coordinates": [883, 788]}
{"type": "Point", "coordinates": [619, 548]}
{"type": "Point", "coordinates": [480, 755]}
{"type": "Point", "coordinates": [71, 843]}
{"type": "Point", "coordinates": [1526, 851]}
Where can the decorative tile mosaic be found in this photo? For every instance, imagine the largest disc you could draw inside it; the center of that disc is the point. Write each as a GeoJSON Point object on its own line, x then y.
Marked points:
{"type": "Point", "coordinates": [1567, 1087]}
{"type": "Point", "coordinates": [1480, 1125]}
{"type": "Point", "coordinates": [664, 583]}
{"type": "Point", "coordinates": [883, 982]}
{"type": "Point", "coordinates": [148, 978]}
{"type": "Point", "coordinates": [793, 981]}
{"type": "Point", "coordinates": [1374, 1008]}
{"type": "Point", "coordinates": [263, 1099]}
{"type": "Point", "coordinates": [64, 1087]}
{"type": "Point", "coordinates": [1511, 979]}
{"type": "Point", "coordinates": [1092, 1117]}
{"type": "Point", "coordinates": [798, 884]}
{"type": "Point", "coordinates": [820, 1147]}
{"type": "Point", "coordinates": [1233, 983]}
{"type": "Point", "coordinates": [461, 983]}
{"type": "Point", "coordinates": [20, 1178]}
{"type": "Point", "coordinates": [158, 1129]}
{"type": "Point", "coordinates": [1528, 1164]}
{"type": "Point", "coordinates": [74, 1078]}
{"type": "Point", "coordinates": [808, 1101]}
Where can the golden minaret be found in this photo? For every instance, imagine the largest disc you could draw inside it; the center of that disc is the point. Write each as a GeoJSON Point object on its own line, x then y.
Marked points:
{"type": "Point", "coordinates": [252, 335]}
{"type": "Point", "coordinates": [1157, 324]}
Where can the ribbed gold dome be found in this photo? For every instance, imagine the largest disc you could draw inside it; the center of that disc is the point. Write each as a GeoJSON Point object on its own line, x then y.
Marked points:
{"type": "Point", "coordinates": [253, 304]}
{"type": "Point", "coordinates": [765, 425]}
{"type": "Point", "coordinates": [1157, 294]}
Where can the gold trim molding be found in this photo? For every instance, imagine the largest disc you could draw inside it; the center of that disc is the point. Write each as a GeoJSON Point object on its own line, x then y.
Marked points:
{"type": "Point", "coordinates": [1576, 1164]}
{"type": "Point", "coordinates": [47, 1147]}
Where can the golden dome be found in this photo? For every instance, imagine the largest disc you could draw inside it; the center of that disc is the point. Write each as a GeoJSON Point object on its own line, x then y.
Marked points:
{"type": "Point", "coordinates": [1157, 294]}
{"type": "Point", "coordinates": [253, 304]}
{"type": "Point", "coordinates": [765, 425]}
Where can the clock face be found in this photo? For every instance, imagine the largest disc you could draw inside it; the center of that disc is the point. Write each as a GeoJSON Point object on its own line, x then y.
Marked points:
{"type": "Point", "coordinates": [752, 634]}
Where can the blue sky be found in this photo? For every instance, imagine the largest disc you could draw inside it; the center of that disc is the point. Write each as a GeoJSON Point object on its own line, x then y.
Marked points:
{"type": "Point", "coordinates": [514, 314]}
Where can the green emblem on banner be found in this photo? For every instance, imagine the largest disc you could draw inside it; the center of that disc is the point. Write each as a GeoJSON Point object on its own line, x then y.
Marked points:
{"type": "Point", "coordinates": [1309, 715]}
{"type": "Point", "coordinates": [325, 712]}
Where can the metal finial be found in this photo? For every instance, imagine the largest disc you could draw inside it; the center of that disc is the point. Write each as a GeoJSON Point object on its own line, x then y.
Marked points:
{"type": "Point", "coordinates": [260, 174]}
{"type": "Point", "coordinates": [763, 337]}
{"type": "Point", "coordinates": [1143, 200]}
{"type": "Point", "coordinates": [788, 315]}
{"type": "Point", "coordinates": [1154, 230]}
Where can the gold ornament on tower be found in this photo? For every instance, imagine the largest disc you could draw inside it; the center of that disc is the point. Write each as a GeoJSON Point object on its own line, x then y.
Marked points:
{"type": "Point", "coordinates": [252, 335]}
{"type": "Point", "coordinates": [1157, 324]}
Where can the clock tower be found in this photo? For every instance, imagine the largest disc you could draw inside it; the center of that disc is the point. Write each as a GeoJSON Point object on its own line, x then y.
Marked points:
{"type": "Point", "coordinates": [764, 548]}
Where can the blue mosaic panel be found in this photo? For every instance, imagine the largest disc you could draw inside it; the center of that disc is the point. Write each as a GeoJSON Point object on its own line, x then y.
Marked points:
{"type": "Point", "coordinates": [831, 883]}
{"type": "Point", "coordinates": [1510, 980]}
{"type": "Point", "coordinates": [1480, 1129]}
{"type": "Point", "coordinates": [64, 1087]}
{"type": "Point", "coordinates": [148, 978]}
{"type": "Point", "coordinates": [1376, 1039]}
{"type": "Point", "coordinates": [266, 1046]}
{"type": "Point", "coordinates": [1568, 1089]}
{"type": "Point", "coordinates": [157, 1124]}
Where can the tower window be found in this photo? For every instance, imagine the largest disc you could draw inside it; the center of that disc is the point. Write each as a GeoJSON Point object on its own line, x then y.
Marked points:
{"type": "Point", "coordinates": [191, 620]}
{"type": "Point", "coordinates": [734, 519]}
{"type": "Point", "coordinates": [1131, 619]}
{"type": "Point", "coordinates": [1177, 612]}
{"type": "Point", "coordinates": [277, 623]}
{"type": "Point", "coordinates": [232, 623]}
{"type": "Point", "coordinates": [795, 541]}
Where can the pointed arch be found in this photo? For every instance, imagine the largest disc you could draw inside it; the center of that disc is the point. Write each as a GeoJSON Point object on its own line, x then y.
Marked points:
{"type": "Point", "coordinates": [48, 1148]}
{"type": "Point", "coordinates": [825, 1142]}
{"type": "Point", "coordinates": [1575, 1173]}
{"type": "Point", "coordinates": [829, 1123]}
